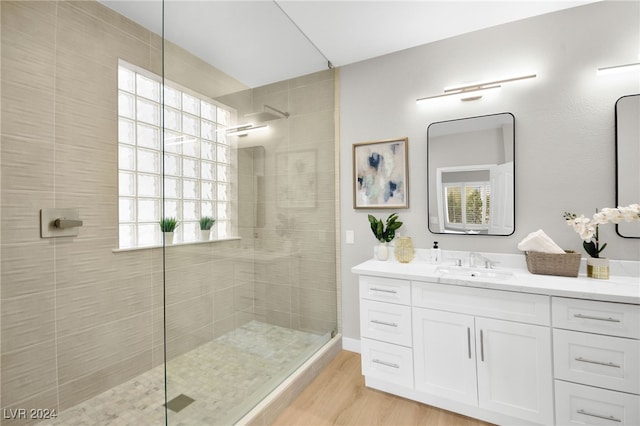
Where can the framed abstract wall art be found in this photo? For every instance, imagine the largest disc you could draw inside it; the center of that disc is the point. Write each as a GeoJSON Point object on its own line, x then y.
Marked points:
{"type": "Point", "coordinates": [381, 174]}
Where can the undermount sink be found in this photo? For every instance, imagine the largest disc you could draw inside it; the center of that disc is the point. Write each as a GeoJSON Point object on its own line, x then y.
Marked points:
{"type": "Point", "coordinates": [474, 272]}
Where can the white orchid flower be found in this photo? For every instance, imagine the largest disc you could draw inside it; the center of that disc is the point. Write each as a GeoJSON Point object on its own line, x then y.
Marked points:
{"type": "Point", "coordinates": [630, 212]}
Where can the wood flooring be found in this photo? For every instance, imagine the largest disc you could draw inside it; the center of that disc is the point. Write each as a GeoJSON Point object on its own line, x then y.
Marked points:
{"type": "Point", "coordinates": [338, 396]}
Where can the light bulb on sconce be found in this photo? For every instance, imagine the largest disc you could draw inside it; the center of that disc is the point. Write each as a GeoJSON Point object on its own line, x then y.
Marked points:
{"type": "Point", "coordinates": [618, 69]}
{"type": "Point", "coordinates": [475, 91]}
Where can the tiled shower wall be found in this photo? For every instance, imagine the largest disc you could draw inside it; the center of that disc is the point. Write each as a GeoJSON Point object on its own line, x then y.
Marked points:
{"type": "Point", "coordinates": [76, 317]}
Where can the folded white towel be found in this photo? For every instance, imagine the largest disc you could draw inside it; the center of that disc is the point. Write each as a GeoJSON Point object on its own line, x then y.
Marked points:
{"type": "Point", "coordinates": [539, 241]}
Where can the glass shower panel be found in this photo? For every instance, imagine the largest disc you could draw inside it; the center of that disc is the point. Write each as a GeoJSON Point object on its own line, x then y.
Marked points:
{"type": "Point", "coordinates": [250, 302]}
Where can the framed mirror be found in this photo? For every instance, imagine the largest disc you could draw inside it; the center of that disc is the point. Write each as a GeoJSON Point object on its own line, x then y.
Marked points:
{"type": "Point", "coordinates": [470, 175]}
{"type": "Point", "coordinates": [628, 159]}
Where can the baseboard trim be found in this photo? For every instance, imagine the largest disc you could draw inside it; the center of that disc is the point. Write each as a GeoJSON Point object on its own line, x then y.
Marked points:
{"type": "Point", "coordinates": [351, 345]}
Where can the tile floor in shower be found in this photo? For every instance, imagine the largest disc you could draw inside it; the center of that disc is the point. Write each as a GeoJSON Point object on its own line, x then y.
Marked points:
{"type": "Point", "coordinates": [220, 376]}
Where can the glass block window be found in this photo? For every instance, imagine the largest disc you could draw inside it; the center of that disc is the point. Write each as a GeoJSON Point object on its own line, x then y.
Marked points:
{"type": "Point", "coordinates": [186, 165]}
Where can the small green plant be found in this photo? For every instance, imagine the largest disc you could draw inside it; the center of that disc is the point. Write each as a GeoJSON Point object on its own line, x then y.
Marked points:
{"type": "Point", "coordinates": [168, 224]}
{"type": "Point", "coordinates": [206, 223]}
{"type": "Point", "coordinates": [383, 233]}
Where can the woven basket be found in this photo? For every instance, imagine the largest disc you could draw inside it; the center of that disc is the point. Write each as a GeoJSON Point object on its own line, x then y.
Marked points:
{"type": "Point", "coordinates": [566, 264]}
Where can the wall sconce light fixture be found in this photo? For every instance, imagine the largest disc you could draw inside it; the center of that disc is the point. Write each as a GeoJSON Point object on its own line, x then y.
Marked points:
{"type": "Point", "coordinates": [244, 129]}
{"type": "Point", "coordinates": [472, 92]}
{"type": "Point", "coordinates": [617, 69]}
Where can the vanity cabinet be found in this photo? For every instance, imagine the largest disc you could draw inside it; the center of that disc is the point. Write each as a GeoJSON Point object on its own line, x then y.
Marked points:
{"type": "Point", "coordinates": [596, 361]}
{"type": "Point", "coordinates": [493, 363]}
{"type": "Point", "coordinates": [526, 350]}
{"type": "Point", "coordinates": [485, 349]}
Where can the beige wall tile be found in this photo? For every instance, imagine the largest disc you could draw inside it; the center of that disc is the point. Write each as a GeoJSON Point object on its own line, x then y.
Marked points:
{"type": "Point", "coordinates": [282, 319]}
{"type": "Point", "coordinates": [27, 113]}
{"type": "Point", "coordinates": [28, 59]}
{"type": "Point", "coordinates": [111, 17]}
{"type": "Point", "coordinates": [27, 372]}
{"type": "Point", "coordinates": [313, 303]}
{"type": "Point", "coordinates": [20, 215]}
{"type": "Point", "coordinates": [190, 317]}
{"type": "Point", "coordinates": [81, 261]}
{"type": "Point", "coordinates": [223, 304]}
{"type": "Point", "coordinates": [82, 307]}
{"type": "Point", "coordinates": [27, 320]}
{"type": "Point", "coordinates": [95, 39]}
{"type": "Point", "coordinates": [26, 268]}
{"type": "Point", "coordinates": [100, 347]}
{"type": "Point", "coordinates": [27, 164]}
{"type": "Point", "coordinates": [34, 18]}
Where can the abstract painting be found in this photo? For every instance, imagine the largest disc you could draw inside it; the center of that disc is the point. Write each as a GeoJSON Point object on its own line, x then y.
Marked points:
{"type": "Point", "coordinates": [381, 176]}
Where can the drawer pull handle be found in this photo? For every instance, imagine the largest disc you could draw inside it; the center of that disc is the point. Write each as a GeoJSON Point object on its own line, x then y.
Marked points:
{"type": "Point", "coordinates": [389, 324]}
{"type": "Point", "coordinates": [586, 413]}
{"type": "Point", "coordinates": [469, 341]}
{"type": "Point", "coordinates": [596, 318]}
{"type": "Point", "coordinates": [607, 364]}
{"type": "Point", "coordinates": [388, 364]}
{"type": "Point", "coordinates": [382, 290]}
{"type": "Point", "coordinates": [481, 346]}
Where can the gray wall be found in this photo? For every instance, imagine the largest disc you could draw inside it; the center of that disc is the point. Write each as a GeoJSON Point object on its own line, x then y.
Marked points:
{"type": "Point", "coordinates": [565, 130]}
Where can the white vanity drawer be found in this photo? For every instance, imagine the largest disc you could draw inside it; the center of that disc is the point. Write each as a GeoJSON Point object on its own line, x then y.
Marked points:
{"type": "Point", "coordinates": [615, 319]}
{"type": "Point", "coordinates": [584, 405]}
{"type": "Point", "coordinates": [385, 289]}
{"type": "Point", "coordinates": [385, 322]}
{"type": "Point", "coordinates": [387, 362]}
{"type": "Point", "coordinates": [592, 359]}
{"type": "Point", "coordinates": [521, 307]}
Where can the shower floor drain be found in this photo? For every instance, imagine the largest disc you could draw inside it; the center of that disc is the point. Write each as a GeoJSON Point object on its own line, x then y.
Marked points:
{"type": "Point", "coordinates": [179, 403]}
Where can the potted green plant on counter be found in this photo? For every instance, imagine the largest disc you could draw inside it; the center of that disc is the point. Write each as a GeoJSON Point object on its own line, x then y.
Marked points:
{"type": "Point", "coordinates": [168, 225]}
{"type": "Point", "coordinates": [385, 232]}
{"type": "Point", "coordinates": [206, 223]}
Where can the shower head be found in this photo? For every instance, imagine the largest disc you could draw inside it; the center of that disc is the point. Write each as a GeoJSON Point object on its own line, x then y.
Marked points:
{"type": "Point", "coordinates": [269, 113]}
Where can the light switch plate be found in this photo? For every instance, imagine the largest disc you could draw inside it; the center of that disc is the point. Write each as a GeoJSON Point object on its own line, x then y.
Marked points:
{"type": "Point", "coordinates": [48, 228]}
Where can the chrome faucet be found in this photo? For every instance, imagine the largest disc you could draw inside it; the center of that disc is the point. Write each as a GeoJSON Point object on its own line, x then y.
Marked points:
{"type": "Point", "coordinates": [476, 260]}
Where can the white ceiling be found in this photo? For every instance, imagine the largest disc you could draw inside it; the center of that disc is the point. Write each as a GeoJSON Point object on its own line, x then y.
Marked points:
{"type": "Point", "coordinates": [262, 42]}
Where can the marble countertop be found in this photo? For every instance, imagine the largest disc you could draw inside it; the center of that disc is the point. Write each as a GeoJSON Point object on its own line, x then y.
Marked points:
{"type": "Point", "coordinates": [622, 289]}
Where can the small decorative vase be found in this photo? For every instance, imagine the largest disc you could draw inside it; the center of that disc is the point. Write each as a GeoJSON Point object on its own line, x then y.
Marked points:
{"type": "Point", "coordinates": [404, 250]}
{"type": "Point", "coordinates": [205, 234]}
{"type": "Point", "coordinates": [168, 238]}
{"type": "Point", "coordinates": [382, 251]}
{"type": "Point", "coordinates": [598, 267]}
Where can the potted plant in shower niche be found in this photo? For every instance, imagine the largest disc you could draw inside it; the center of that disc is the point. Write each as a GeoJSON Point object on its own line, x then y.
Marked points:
{"type": "Point", "coordinates": [206, 223]}
{"type": "Point", "coordinates": [168, 225]}
{"type": "Point", "coordinates": [384, 233]}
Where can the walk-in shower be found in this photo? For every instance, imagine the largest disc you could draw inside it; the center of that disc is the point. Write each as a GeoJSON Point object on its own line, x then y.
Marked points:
{"type": "Point", "coordinates": [111, 116]}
